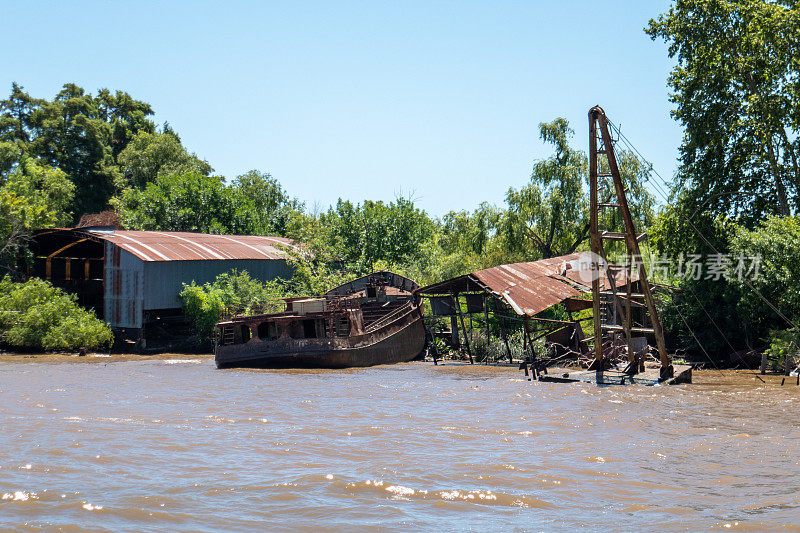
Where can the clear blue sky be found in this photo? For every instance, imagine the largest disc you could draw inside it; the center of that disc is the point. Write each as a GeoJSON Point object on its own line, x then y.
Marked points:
{"type": "Point", "coordinates": [361, 100]}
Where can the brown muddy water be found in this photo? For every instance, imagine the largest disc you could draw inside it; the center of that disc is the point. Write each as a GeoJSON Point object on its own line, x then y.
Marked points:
{"type": "Point", "coordinates": [174, 445]}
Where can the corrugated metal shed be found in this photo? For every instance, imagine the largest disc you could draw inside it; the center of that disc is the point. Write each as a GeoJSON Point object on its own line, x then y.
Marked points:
{"type": "Point", "coordinates": [143, 272]}
{"type": "Point", "coordinates": [529, 288]}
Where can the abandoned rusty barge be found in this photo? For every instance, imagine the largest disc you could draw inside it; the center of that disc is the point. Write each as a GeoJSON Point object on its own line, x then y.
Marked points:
{"type": "Point", "coordinates": [373, 320]}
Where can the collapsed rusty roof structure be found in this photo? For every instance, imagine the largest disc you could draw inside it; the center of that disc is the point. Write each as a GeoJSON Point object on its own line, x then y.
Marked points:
{"type": "Point", "coordinates": [623, 315]}
{"type": "Point", "coordinates": [532, 287]}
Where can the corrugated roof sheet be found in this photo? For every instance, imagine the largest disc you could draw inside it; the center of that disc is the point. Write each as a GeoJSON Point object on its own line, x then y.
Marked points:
{"type": "Point", "coordinates": [183, 246]}
{"type": "Point", "coordinates": [530, 288]}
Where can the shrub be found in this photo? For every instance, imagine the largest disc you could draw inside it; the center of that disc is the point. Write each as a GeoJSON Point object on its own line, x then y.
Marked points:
{"type": "Point", "coordinates": [234, 290]}
{"type": "Point", "coordinates": [35, 314]}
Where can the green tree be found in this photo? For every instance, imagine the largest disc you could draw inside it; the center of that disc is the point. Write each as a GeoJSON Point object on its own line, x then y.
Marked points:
{"type": "Point", "coordinates": [149, 155]}
{"type": "Point", "coordinates": [736, 88]}
{"type": "Point", "coordinates": [15, 119]}
{"type": "Point", "coordinates": [37, 315]}
{"type": "Point", "coordinates": [233, 292]}
{"type": "Point", "coordinates": [254, 204]}
{"type": "Point", "coordinates": [262, 199]}
{"type": "Point", "coordinates": [185, 202]}
{"type": "Point", "coordinates": [32, 196]}
{"type": "Point", "coordinates": [364, 234]}
{"type": "Point", "coordinates": [550, 215]}
{"type": "Point", "coordinates": [776, 244]}
{"type": "Point", "coordinates": [78, 133]}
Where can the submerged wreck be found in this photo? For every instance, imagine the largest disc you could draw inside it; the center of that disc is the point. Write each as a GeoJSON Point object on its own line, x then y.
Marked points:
{"type": "Point", "coordinates": [627, 345]}
{"type": "Point", "coordinates": [373, 320]}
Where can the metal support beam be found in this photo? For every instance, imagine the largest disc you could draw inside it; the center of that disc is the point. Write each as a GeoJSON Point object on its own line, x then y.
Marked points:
{"type": "Point", "coordinates": [599, 133]}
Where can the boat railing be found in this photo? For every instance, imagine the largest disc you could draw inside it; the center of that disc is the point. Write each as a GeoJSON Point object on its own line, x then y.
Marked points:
{"type": "Point", "coordinates": [389, 317]}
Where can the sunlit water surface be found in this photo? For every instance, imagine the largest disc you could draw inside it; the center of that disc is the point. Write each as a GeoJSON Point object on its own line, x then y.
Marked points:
{"type": "Point", "coordinates": [156, 445]}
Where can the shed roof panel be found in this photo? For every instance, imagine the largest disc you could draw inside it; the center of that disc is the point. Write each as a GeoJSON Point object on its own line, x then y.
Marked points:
{"type": "Point", "coordinates": [184, 246]}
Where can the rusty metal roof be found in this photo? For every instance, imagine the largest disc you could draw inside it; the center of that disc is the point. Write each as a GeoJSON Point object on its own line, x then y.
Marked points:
{"type": "Point", "coordinates": [182, 246]}
{"type": "Point", "coordinates": [530, 288]}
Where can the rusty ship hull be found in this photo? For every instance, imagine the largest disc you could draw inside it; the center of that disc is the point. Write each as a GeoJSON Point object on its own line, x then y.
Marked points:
{"type": "Point", "coordinates": [399, 341]}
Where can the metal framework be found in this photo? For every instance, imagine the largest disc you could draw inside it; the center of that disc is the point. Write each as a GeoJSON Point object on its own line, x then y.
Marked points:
{"type": "Point", "coordinates": [601, 144]}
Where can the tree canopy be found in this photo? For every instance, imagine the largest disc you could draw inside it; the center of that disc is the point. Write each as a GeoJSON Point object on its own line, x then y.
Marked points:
{"type": "Point", "coordinates": [79, 133]}
{"type": "Point", "coordinates": [736, 90]}
{"type": "Point", "coordinates": [33, 195]}
{"type": "Point", "coordinates": [550, 215]}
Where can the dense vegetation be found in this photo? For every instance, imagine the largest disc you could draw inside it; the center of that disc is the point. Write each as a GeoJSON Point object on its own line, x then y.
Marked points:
{"type": "Point", "coordinates": [37, 315]}
{"type": "Point", "coordinates": [736, 91]}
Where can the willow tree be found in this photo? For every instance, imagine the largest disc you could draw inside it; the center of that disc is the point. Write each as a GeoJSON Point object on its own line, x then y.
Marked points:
{"type": "Point", "coordinates": [549, 216]}
{"type": "Point", "coordinates": [736, 88]}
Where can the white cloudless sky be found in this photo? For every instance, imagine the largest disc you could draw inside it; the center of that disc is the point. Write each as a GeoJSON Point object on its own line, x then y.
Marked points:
{"type": "Point", "coordinates": [361, 100]}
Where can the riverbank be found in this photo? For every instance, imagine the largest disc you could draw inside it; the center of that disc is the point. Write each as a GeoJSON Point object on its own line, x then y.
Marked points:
{"type": "Point", "coordinates": [10, 357]}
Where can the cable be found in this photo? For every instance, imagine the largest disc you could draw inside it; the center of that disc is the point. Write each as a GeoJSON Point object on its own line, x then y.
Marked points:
{"type": "Point", "coordinates": [700, 234]}
{"type": "Point", "coordinates": [700, 344]}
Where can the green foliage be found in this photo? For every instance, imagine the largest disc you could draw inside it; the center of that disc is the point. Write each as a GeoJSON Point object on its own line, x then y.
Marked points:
{"type": "Point", "coordinates": [736, 91]}
{"type": "Point", "coordinates": [550, 215]}
{"type": "Point", "coordinates": [37, 315]}
{"type": "Point", "coordinates": [743, 318]}
{"type": "Point", "coordinates": [234, 290]}
{"type": "Point", "coordinates": [79, 133]}
{"type": "Point", "coordinates": [149, 155]}
{"type": "Point", "coordinates": [365, 233]}
{"type": "Point", "coordinates": [185, 202]}
{"type": "Point", "coordinates": [44, 194]}
{"type": "Point", "coordinates": [782, 343]}
{"type": "Point", "coordinates": [32, 196]}
{"type": "Point", "coordinates": [254, 203]}
{"type": "Point", "coordinates": [263, 201]}
{"type": "Point", "coordinates": [776, 241]}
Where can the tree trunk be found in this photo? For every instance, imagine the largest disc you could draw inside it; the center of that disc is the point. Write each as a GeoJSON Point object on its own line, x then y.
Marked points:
{"type": "Point", "coordinates": [783, 201]}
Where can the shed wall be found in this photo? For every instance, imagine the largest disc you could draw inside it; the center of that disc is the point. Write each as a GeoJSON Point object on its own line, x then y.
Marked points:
{"type": "Point", "coordinates": [123, 288]}
{"type": "Point", "coordinates": [163, 280]}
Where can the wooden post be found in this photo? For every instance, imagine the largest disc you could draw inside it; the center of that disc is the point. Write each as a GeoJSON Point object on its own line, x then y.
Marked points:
{"type": "Point", "coordinates": [464, 329]}
{"type": "Point", "coordinates": [486, 321]}
{"type": "Point", "coordinates": [525, 329]}
{"type": "Point", "coordinates": [504, 334]}
{"type": "Point", "coordinates": [627, 314]}
{"type": "Point", "coordinates": [454, 340]}
{"type": "Point", "coordinates": [630, 236]}
{"type": "Point", "coordinates": [595, 241]}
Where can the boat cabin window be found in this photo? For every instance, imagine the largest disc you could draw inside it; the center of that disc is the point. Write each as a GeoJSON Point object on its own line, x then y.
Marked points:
{"type": "Point", "coordinates": [245, 332]}
{"type": "Point", "coordinates": [295, 329]}
{"type": "Point", "coordinates": [309, 329]}
{"type": "Point", "coordinates": [268, 331]}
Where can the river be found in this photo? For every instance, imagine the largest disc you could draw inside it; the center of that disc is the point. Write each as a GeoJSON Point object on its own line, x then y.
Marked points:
{"type": "Point", "coordinates": [174, 444]}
